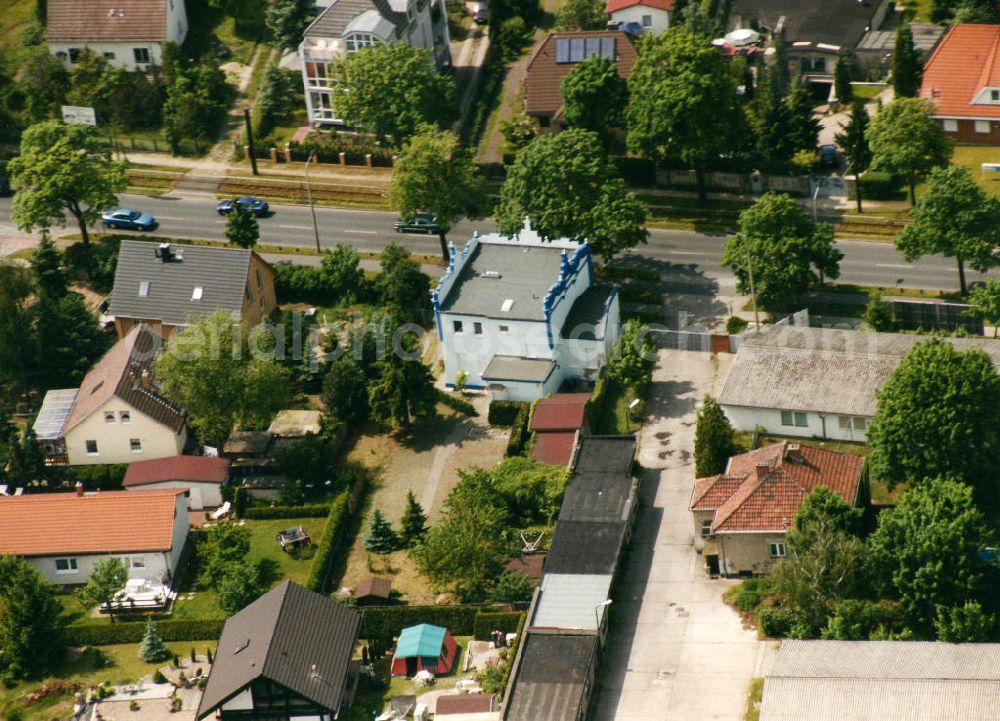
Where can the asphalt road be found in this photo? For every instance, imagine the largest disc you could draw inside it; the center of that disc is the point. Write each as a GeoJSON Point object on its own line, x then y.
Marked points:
{"type": "Point", "coordinates": [192, 215]}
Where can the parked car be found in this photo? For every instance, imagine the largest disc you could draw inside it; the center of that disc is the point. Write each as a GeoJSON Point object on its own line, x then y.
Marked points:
{"type": "Point", "coordinates": [128, 219]}
{"type": "Point", "coordinates": [419, 223]}
{"type": "Point", "coordinates": [828, 156]}
{"type": "Point", "coordinates": [481, 17]}
{"type": "Point", "coordinates": [258, 207]}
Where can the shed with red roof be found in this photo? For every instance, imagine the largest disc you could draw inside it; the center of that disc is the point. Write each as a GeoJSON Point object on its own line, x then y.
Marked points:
{"type": "Point", "coordinates": [203, 476]}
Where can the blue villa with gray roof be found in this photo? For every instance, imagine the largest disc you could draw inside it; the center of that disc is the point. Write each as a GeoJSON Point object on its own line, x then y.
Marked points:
{"type": "Point", "coordinates": [521, 316]}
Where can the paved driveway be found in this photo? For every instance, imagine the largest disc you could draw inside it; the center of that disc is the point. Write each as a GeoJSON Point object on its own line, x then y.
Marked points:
{"type": "Point", "coordinates": [676, 652]}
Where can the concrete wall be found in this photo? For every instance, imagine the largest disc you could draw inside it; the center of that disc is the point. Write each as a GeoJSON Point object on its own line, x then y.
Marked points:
{"type": "Point", "coordinates": [818, 425]}
{"type": "Point", "coordinates": [113, 439]}
{"type": "Point", "coordinates": [697, 518]}
{"type": "Point", "coordinates": [746, 552]}
{"type": "Point", "coordinates": [634, 14]}
{"type": "Point", "coordinates": [201, 496]}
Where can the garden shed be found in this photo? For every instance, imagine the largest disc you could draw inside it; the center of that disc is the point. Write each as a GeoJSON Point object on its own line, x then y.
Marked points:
{"type": "Point", "coordinates": [424, 647]}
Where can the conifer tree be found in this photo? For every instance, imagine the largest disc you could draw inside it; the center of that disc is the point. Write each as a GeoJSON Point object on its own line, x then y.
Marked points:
{"type": "Point", "coordinates": [906, 68]}
{"type": "Point", "coordinates": [153, 650]}
{"type": "Point", "coordinates": [380, 537]}
{"type": "Point", "coordinates": [714, 440]}
{"type": "Point", "coordinates": [414, 521]}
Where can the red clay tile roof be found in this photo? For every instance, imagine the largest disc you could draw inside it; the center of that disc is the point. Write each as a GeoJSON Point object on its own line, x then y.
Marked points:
{"type": "Point", "coordinates": [126, 371]}
{"type": "Point", "coordinates": [616, 5]}
{"type": "Point", "coordinates": [196, 469]}
{"type": "Point", "coordinates": [561, 412]}
{"type": "Point", "coordinates": [965, 62]}
{"type": "Point", "coordinates": [373, 586]}
{"type": "Point", "coordinates": [554, 447]}
{"type": "Point", "coordinates": [92, 20]}
{"type": "Point", "coordinates": [746, 500]}
{"type": "Point", "coordinates": [45, 524]}
{"type": "Point", "coordinates": [542, 84]}
{"type": "Point", "coordinates": [464, 703]}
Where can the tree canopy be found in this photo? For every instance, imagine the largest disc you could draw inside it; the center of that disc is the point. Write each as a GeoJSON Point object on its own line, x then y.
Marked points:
{"type": "Point", "coordinates": [242, 229]}
{"type": "Point", "coordinates": [566, 185]}
{"type": "Point", "coordinates": [107, 578]}
{"type": "Point", "coordinates": [402, 286]}
{"type": "Point", "coordinates": [906, 140]}
{"type": "Point", "coordinates": [956, 219]}
{"type": "Point", "coordinates": [714, 440]}
{"type": "Point", "coordinates": [287, 19]}
{"type": "Point", "coordinates": [984, 303]}
{"type": "Point", "coordinates": [938, 414]}
{"type": "Point", "coordinates": [789, 253]}
{"type": "Point", "coordinates": [582, 15]}
{"type": "Point", "coordinates": [853, 140]}
{"type": "Point", "coordinates": [391, 90]}
{"type": "Point", "coordinates": [31, 623]}
{"type": "Point", "coordinates": [63, 169]}
{"type": "Point", "coordinates": [595, 96]}
{"type": "Point", "coordinates": [906, 70]}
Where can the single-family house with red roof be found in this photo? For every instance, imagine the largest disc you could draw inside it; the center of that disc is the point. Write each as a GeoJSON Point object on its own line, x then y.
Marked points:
{"type": "Point", "coordinates": [962, 79]}
{"type": "Point", "coordinates": [645, 17]}
{"type": "Point", "coordinates": [741, 515]}
{"type": "Point", "coordinates": [202, 476]}
{"type": "Point", "coordinates": [62, 535]}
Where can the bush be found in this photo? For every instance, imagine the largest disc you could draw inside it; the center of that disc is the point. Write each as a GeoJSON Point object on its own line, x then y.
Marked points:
{"type": "Point", "coordinates": [311, 510]}
{"type": "Point", "coordinates": [158, 677]}
{"type": "Point", "coordinates": [735, 325]}
{"type": "Point", "coordinates": [486, 622]}
{"type": "Point", "coordinates": [124, 631]}
{"type": "Point", "coordinates": [301, 284]}
{"type": "Point", "coordinates": [776, 622]}
{"type": "Point", "coordinates": [520, 436]}
{"type": "Point", "coordinates": [595, 405]}
{"type": "Point", "coordinates": [876, 185]}
{"type": "Point", "coordinates": [105, 476]}
{"type": "Point", "coordinates": [504, 413]}
{"type": "Point", "coordinates": [457, 403]}
{"type": "Point", "coordinates": [334, 533]}
{"type": "Point", "coordinates": [749, 594]}
{"type": "Point", "coordinates": [354, 147]}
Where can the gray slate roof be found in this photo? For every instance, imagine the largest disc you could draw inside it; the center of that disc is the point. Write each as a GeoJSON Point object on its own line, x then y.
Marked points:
{"type": "Point", "coordinates": [585, 547]}
{"type": "Point", "coordinates": [281, 636]}
{"type": "Point", "coordinates": [875, 680]}
{"type": "Point", "coordinates": [552, 681]}
{"type": "Point", "coordinates": [332, 22]}
{"type": "Point", "coordinates": [220, 272]}
{"type": "Point", "coordinates": [822, 370]}
{"type": "Point", "coordinates": [526, 273]}
{"type": "Point", "coordinates": [603, 489]}
{"type": "Point", "coordinates": [514, 368]}
{"type": "Point", "coordinates": [835, 22]}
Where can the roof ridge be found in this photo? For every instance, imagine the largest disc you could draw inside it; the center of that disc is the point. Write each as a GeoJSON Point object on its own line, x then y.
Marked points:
{"type": "Point", "coordinates": [272, 632]}
{"type": "Point", "coordinates": [987, 70]}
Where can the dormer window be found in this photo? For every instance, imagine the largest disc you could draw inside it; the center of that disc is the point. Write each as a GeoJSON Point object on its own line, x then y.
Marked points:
{"type": "Point", "coordinates": [356, 41]}
{"type": "Point", "coordinates": [995, 96]}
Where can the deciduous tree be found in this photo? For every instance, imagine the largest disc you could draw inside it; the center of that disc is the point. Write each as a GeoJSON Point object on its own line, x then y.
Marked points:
{"type": "Point", "coordinates": [436, 175]}
{"type": "Point", "coordinates": [595, 96]}
{"type": "Point", "coordinates": [402, 285]}
{"type": "Point", "coordinates": [390, 90]}
{"type": "Point", "coordinates": [221, 547]}
{"type": "Point", "coordinates": [31, 623]}
{"type": "Point", "coordinates": [714, 440]}
{"type": "Point", "coordinates": [984, 303]}
{"type": "Point", "coordinates": [582, 15]}
{"type": "Point", "coordinates": [789, 253]}
{"type": "Point", "coordinates": [242, 229]}
{"type": "Point", "coordinates": [566, 185]}
{"type": "Point", "coordinates": [241, 584]}
{"type": "Point", "coordinates": [905, 140]}
{"type": "Point", "coordinates": [342, 273]}
{"type": "Point", "coordinates": [106, 580]}
{"type": "Point", "coordinates": [63, 169]}
{"type": "Point", "coordinates": [631, 363]}
{"type": "Point", "coordinates": [956, 219]}
{"type": "Point", "coordinates": [938, 414]}
{"type": "Point", "coordinates": [345, 391]}
{"type": "Point", "coordinates": [968, 623]}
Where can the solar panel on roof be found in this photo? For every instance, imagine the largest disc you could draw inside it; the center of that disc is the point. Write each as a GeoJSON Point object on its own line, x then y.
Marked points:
{"type": "Point", "coordinates": [576, 50]}
{"type": "Point", "coordinates": [593, 47]}
{"type": "Point", "coordinates": [562, 51]}
{"type": "Point", "coordinates": [608, 48]}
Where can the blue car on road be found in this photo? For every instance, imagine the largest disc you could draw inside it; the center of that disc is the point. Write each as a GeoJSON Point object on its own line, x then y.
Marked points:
{"type": "Point", "coordinates": [128, 219]}
{"type": "Point", "coordinates": [256, 206]}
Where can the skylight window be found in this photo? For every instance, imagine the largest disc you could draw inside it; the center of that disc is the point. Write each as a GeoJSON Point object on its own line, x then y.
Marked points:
{"type": "Point", "coordinates": [242, 646]}
{"type": "Point", "coordinates": [143, 288]}
{"type": "Point", "coordinates": [196, 293]}
{"type": "Point", "coordinates": [507, 305]}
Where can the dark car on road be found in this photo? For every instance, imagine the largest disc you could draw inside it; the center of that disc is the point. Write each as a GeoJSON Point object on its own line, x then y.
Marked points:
{"type": "Point", "coordinates": [828, 156]}
{"type": "Point", "coordinates": [258, 207]}
{"type": "Point", "coordinates": [419, 223]}
{"type": "Point", "coordinates": [128, 219]}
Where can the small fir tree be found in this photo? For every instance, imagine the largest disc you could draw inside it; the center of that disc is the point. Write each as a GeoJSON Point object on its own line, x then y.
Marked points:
{"type": "Point", "coordinates": [714, 440]}
{"type": "Point", "coordinates": [906, 68]}
{"type": "Point", "coordinates": [380, 537]}
{"type": "Point", "coordinates": [153, 650]}
{"type": "Point", "coordinates": [414, 521]}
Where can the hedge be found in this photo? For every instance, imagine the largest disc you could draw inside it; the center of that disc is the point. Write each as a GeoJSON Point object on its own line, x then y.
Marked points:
{"type": "Point", "coordinates": [776, 622]}
{"type": "Point", "coordinates": [457, 403]}
{"type": "Point", "coordinates": [334, 533]}
{"type": "Point", "coordinates": [595, 405]}
{"type": "Point", "coordinates": [520, 436]}
{"type": "Point", "coordinates": [384, 622]}
{"type": "Point", "coordinates": [505, 680]}
{"type": "Point", "coordinates": [263, 513]}
{"type": "Point", "coordinates": [93, 634]}
{"type": "Point", "coordinates": [876, 185]}
{"type": "Point", "coordinates": [104, 476]}
{"type": "Point", "coordinates": [504, 413]}
{"type": "Point", "coordinates": [506, 621]}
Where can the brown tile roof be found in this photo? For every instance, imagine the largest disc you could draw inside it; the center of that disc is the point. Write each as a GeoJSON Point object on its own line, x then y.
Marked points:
{"type": "Point", "coordinates": [763, 489]}
{"type": "Point", "coordinates": [542, 91]}
{"type": "Point", "coordinates": [126, 371]}
{"type": "Point", "coordinates": [373, 586]}
{"type": "Point", "coordinates": [561, 412]}
{"type": "Point", "coordinates": [110, 20]}
{"type": "Point", "coordinates": [463, 703]}
{"type": "Point", "coordinates": [197, 469]}
{"type": "Point", "coordinates": [45, 524]}
{"type": "Point", "coordinates": [554, 447]}
{"type": "Point", "coordinates": [965, 62]}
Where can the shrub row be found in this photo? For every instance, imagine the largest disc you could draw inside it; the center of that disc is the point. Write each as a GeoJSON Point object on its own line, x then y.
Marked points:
{"type": "Point", "coordinates": [123, 631]}
{"type": "Point", "coordinates": [504, 413]}
{"type": "Point", "coordinates": [354, 147]}
{"type": "Point", "coordinates": [876, 185]}
{"type": "Point", "coordinates": [334, 533]}
{"type": "Point", "coordinates": [105, 476]}
{"type": "Point", "coordinates": [520, 436]}
{"type": "Point", "coordinates": [457, 403]}
{"type": "Point", "coordinates": [776, 622]}
{"type": "Point", "coordinates": [486, 622]}
{"type": "Point", "coordinates": [311, 510]}
{"type": "Point", "coordinates": [513, 654]}
{"type": "Point", "coordinates": [595, 406]}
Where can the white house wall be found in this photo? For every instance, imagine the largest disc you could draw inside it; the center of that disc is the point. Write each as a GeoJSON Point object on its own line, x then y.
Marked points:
{"type": "Point", "coordinates": [471, 353]}
{"type": "Point", "coordinates": [158, 441]}
{"type": "Point", "coordinates": [660, 18]}
{"type": "Point", "coordinates": [818, 425]}
{"type": "Point", "coordinates": [203, 495]}
{"type": "Point", "coordinates": [180, 534]}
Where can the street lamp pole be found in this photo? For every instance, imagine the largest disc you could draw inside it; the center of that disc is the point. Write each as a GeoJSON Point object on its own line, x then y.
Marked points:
{"type": "Point", "coordinates": [753, 292]}
{"type": "Point", "coordinates": [309, 194]}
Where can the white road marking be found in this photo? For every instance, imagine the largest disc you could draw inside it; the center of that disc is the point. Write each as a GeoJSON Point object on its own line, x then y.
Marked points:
{"type": "Point", "coordinates": [168, 217]}
{"type": "Point", "coordinates": [686, 252]}
{"type": "Point", "coordinates": [362, 232]}
{"type": "Point", "coordinates": [296, 227]}
{"type": "Point", "coordinates": [889, 265]}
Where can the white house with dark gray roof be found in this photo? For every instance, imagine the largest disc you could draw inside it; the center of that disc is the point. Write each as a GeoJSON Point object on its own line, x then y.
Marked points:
{"type": "Point", "coordinates": [521, 315]}
{"type": "Point", "coordinates": [346, 26]}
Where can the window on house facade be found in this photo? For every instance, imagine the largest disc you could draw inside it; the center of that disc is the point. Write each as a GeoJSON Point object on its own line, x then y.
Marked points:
{"type": "Point", "coordinates": [141, 55]}
{"type": "Point", "coordinates": [316, 75]}
{"type": "Point", "coordinates": [819, 65]}
{"type": "Point", "coordinates": [503, 329]}
{"type": "Point", "coordinates": [794, 418]}
{"type": "Point", "coordinates": [647, 21]}
{"type": "Point", "coordinates": [125, 416]}
{"type": "Point", "coordinates": [109, 56]}
{"type": "Point", "coordinates": [457, 326]}
{"type": "Point", "coordinates": [246, 293]}
{"type": "Point", "coordinates": [109, 417]}
{"type": "Point", "coordinates": [74, 54]}
{"type": "Point", "coordinates": [322, 106]}
{"type": "Point", "coordinates": [356, 41]}
{"type": "Point", "coordinates": [66, 565]}
{"type": "Point", "coordinates": [951, 126]}
{"type": "Point", "coordinates": [91, 448]}
{"type": "Point", "coordinates": [777, 550]}
{"type": "Point", "coordinates": [982, 126]}
{"type": "Point", "coordinates": [477, 328]}
{"type": "Point", "coordinates": [860, 424]}
{"type": "Point", "coordinates": [137, 561]}
{"type": "Point", "coordinates": [135, 445]}
{"type": "Point", "coordinates": [260, 280]}
{"type": "Point", "coordinates": [995, 96]}
{"type": "Point", "coordinates": [706, 527]}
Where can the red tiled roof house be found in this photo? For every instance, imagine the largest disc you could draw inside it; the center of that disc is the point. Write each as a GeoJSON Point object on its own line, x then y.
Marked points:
{"type": "Point", "coordinates": [129, 34]}
{"type": "Point", "coordinates": [652, 17]}
{"type": "Point", "coordinates": [64, 534]}
{"type": "Point", "coordinates": [962, 78]}
{"type": "Point", "coordinates": [203, 477]}
{"type": "Point", "coordinates": [741, 516]}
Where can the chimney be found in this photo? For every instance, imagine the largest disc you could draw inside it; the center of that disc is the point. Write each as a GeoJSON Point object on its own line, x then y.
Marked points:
{"type": "Point", "coordinates": [163, 252]}
{"type": "Point", "coordinates": [79, 489]}
{"type": "Point", "coordinates": [762, 470]}
{"type": "Point", "coordinates": [794, 452]}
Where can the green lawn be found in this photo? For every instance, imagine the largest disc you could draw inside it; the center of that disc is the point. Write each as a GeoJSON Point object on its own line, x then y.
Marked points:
{"type": "Point", "coordinates": [867, 92]}
{"type": "Point", "coordinates": [754, 696]}
{"type": "Point", "coordinates": [16, 16]}
{"type": "Point", "coordinates": [972, 157]}
{"type": "Point", "coordinates": [209, 26]}
{"type": "Point", "coordinates": [614, 420]}
{"type": "Point", "coordinates": [112, 664]}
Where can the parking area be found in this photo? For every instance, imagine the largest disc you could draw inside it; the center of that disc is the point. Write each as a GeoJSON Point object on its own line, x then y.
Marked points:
{"type": "Point", "coordinates": [676, 652]}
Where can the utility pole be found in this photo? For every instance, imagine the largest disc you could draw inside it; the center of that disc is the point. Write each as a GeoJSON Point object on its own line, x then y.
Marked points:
{"type": "Point", "coordinates": [253, 155]}
{"type": "Point", "coordinates": [309, 195]}
{"type": "Point", "coordinates": [753, 293]}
